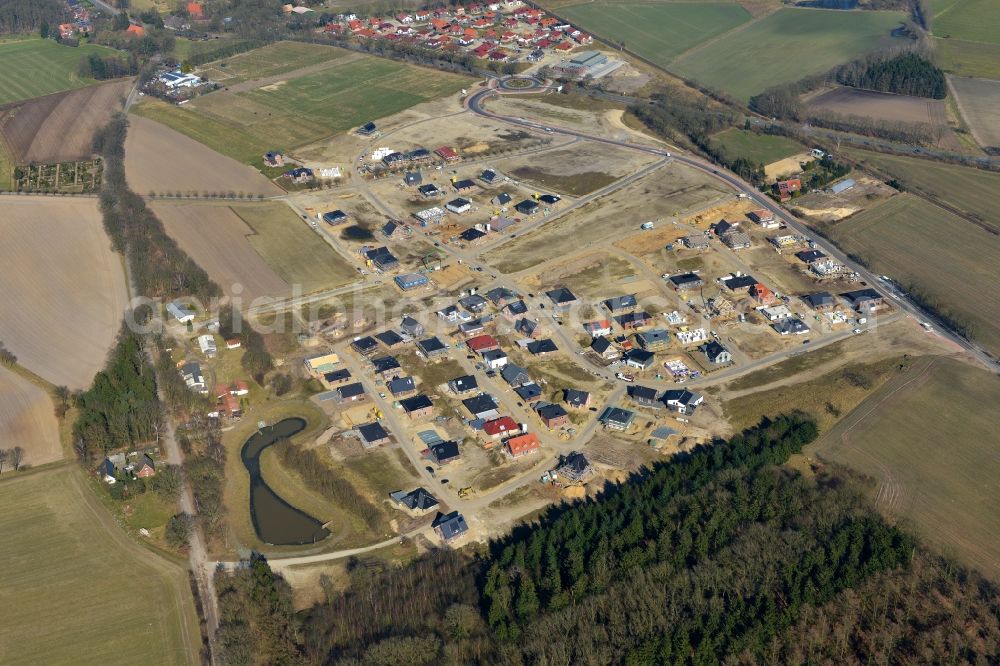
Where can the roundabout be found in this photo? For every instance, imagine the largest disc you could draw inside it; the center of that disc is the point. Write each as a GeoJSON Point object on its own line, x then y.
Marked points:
{"type": "Point", "coordinates": [520, 83]}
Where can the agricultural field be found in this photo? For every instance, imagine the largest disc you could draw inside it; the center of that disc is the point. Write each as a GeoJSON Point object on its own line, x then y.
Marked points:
{"type": "Point", "coordinates": [36, 67]}
{"type": "Point", "coordinates": [27, 419]}
{"type": "Point", "coordinates": [762, 148]}
{"type": "Point", "coordinates": [161, 160]}
{"type": "Point", "coordinates": [968, 20]}
{"type": "Point", "coordinates": [968, 190]}
{"type": "Point", "coordinates": [930, 443]}
{"type": "Point", "coordinates": [285, 115]}
{"type": "Point", "coordinates": [68, 565]}
{"type": "Point", "coordinates": [851, 101]}
{"type": "Point", "coordinates": [968, 58]}
{"type": "Point", "coordinates": [268, 61]}
{"type": "Point", "coordinates": [218, 240]}
{"type": "Point", "coordinates": [293, 250]}
{"type": "Point", "coordinates": [950, 260]}
{"type": "Point", "coordinates": [786, 46]}
{"type": "Point", "coordinates": [979, 103]}
{"type": "Point", "coordinates": [60, 127]}
{"type": "Point", "coordinates": [660, 31]}
{"type": "Point", "coordinates": [64, 292]}
{"type": "Point", "coordinates": [671, 190]}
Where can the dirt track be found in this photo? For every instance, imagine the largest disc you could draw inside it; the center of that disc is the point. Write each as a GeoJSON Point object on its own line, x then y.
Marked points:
{"type": "Point", "coordinates": [63, 289]}
{"type": "Point", "coordinates": [60, 127]}
{"type": "Point", "coordinates": [27, 419]}
{"type": "Point", "coordinates": [159, 159]}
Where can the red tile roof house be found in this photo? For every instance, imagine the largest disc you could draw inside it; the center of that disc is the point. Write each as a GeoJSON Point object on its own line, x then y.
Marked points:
{"type": "Point", "coordinates": [785, 188]}
{"type": "Point", "coordinates": [762, 295]}
{"type": "Point", "coordinates": [195, 10]}
{"type": "Point", "coordinates": [447, 153]}
{"type": "Point", "coordinates": [522, 445]}
{"type": "Point", "coordinates": [482, 343]}
{"type": "Point", "coordinates": [502, 427]}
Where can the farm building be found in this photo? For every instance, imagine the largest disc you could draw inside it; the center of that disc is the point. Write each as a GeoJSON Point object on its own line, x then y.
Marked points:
{"type": "Point", "coordinates": [176, 79]}
{"type": "Point", "coordinates": [842, 186]}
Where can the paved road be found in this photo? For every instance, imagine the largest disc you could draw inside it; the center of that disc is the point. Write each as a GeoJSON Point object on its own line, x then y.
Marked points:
{"type": "Point", "coordinates": [475, 104]}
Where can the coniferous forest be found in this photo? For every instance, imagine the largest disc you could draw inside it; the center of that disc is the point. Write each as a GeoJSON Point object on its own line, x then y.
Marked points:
{"type": "Point", "coordinates": [722, 554]}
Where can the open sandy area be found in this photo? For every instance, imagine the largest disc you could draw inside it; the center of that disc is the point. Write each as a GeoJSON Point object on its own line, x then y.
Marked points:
{"type": "Point", "coordinates": [63, 288]}
{"type": "Point", "coordinates": [159, 159]}
{"type": "Point", "coordinates": [27, 419]}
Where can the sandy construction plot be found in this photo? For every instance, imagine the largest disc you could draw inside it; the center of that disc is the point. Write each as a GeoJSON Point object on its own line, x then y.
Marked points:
{"type": "Point", "coordinates": [62, 288]}
{"type": "Point", "coordinates": [60, 127]}
{"type": "Point", "coordinates": [884, 106]}
{"type": "Point", "coordinates": [159, 159]}
{"type": "Point", "coordinates": [979, 102]}
{"type": "Point", "coordinates": [217, 239]}
{"type": "Point", "coordinates": [27, 419]}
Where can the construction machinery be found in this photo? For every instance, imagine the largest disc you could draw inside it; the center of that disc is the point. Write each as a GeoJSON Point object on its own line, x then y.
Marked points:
{"type": "Point", "coordinates": [465, 492]}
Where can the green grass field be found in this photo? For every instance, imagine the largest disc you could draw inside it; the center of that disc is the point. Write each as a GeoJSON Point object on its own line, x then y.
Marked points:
{"type": "Point", "coordinates": [952, 261]}
{"type": "Point", "coordinates": [786, 46]}
{"type": "Point", "coordinates": [270, 60]}
{"type": "Point", "coordinates": [968, 58]}
{"type": "Point", "coordinates": [929, 437]}
{"type": "Point", "coordinates": [301, 111]}
{"type": "Point", "coordinates": [36, 67]}
{"type": "Point", "coordinates": [972, 191]}
{"type": "Point", "coordinates": [75, 587]}
{"type": "Point", "coordinates": [6, 168]}
{"type": "Point", "coordinates": [292, 249]}
{"type": "Point", "coordinates": [969, 20]}
{"type": "Point", "coordinates": [658, 31]}
{"type": "Point", "coordinates": [763, 148]}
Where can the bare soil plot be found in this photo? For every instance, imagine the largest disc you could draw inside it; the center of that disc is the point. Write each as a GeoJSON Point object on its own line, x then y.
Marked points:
{"type": "Point", "coordinates": [573, 111]}
{"type": "Point", "coordinates": [218, 240]}
{"type": "Point", "coordinates": [667, 192]}
{"type": "Point", "coordinates": [929, 438]}
{"type": "Point", "coordinates": [786, 167]}
{"type": "Point", "coordinates": [885, 106]}
{"type": "Point", "coordinates": [60, 127]}
{"type": "Point", "coordinates": [825, 206]}
{"type": "Point", "coordinates": [979, 103]}
{"type": "Point", "coordinates": [27, 419]}
{"type": "Point", "coordinates": [575, 170]}
{"type": "Point", "coordinates": [159, 159]}
{"type": "Point", "coordinates": [63, 288]}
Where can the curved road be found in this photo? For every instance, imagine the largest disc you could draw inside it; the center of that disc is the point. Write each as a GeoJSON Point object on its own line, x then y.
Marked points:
{"type": "Point", "coordinates": [475, 104]}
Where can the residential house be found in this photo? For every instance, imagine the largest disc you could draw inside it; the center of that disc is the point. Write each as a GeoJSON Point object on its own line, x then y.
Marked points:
{"type": "Point", "coordinates": [429, 190]}
{"type": "Point", "coordinates": [489, 176]}
{"type": "Point", "coordinates": [444, 452]}
{"type": "Point", "coordinates": [621, 303]}
{"type": "Point", "coordinates": [472, 328]}
{"type": "Point", "coordinates": [737, 240]}
{"type": "Point", "coordinates": [574, 467]}
{"type": "Point", "coordinates": [372, 435]}
{"type": "Point", "coordinates": [686, 281]}
{"type": "Point", "coordinates": [529, 392]}
{"type": "Point", "coordinates": [633, 320]}
{"type": "Point", "coordinates": [514, 375]}
{"type": "Point", "coordinates": [599, 328]}
{"type": "Point", "coordinates": [790, 326]}
{"type": "Point", "coordinates": [643, 395]}
{"type": "Point", "coordinates": [561, 297]}
{"type": "Point", "coordinates": [447, 153]}
{"type": "Point", "coordinates": [418, 502]}
{"type": "Point", "coordinates": [653, 340]}
{"type": "Point", "coordinates": [682, 401]}
{"type": "Point", "coordinates": [401, 387]}
{"type": "Point", "coordinates": [412, 178]}
{"type": "Point", "coordinates": [786, 188]}
{"type": "Point", "coordinates": [522, 445]}
{"type": "Point", "coordinates": [722, 227]}
{"type": "Point", "coordinates": [336, 378]}
{"type": "Point", "coordinates": [417, 407]}
{"type": "Point", "coordinates": [321, 363]}
{"type": "Point", "coordinates": [274, 159]}
{"type": "Point", "coordinates": [515, 309]}
{"type": "Point", "coordinates": [180, 312]}
{"type": "Point", "coordinates": [411, 327]}
{"type": "Point", "coordinates": [527, 207]}
{"type": "Point", "coordinates": [551, 414]}
{"type": "Point", "coordinates": [764, 218]}
{"type": "Point", "coordinates": [549, 199]}
{"type": "Point", "coordinates": [193, 378]}
{"type": "Point", "coordinates": [502, 427]}
{"type": "Point", "coordinates": [482, 406]}
{"type": "Point", "coordinates": [738, 283]}
{"type": "Point", "coordinates": [494, 359]}
{"type": "Point", "coordinates": [576, 399]}
{"type": "Point", "coordinates": [450, 527]}
{"type": "Point", "coordinates": [482, 343]}
{"type": "Point", "coordinates": [695, 242]}
{"type": "Point", "coordinates": [615, 418]}
{"type": "Point", "coordinates": [776, 312]}
{"type": "Point", "coordinates": [335, 217]}
{"type": "Point", "coordinates": [207, 345]}
{"type": "Point", "coordinates": [472, 235]}
{"type": "Point", "coordinates": [366, 346]}
{"type": "Point", "coordinates": [810, 256]}
{"type": "Point", "coordinates": [473, 303]}
{"type": "Point", "coordinates": [351, 392]}
{"type": "Point", "coordinates": [144, 467]}
{"type": "Point", "coordinates": [464, 185]}
{"type": "Point", "coordinates": [821, 301]}
{"type": "Point", "coordinates": [382, 258]}
{"type": "Point", "coordinates": [432, 348]}
{"type": "Point", "coordinates": [716, 353]}
{"type": "Point", "coordinates": [463, 385]}
{"type": "Point", "coordinates": [108, 471]}
{"type": "Point", "coordinates": [863, 300]}
{"type": "Point", "coordinates": [542, 347]}
{"type": "Point", "coordinates": [501, 296]}
{"type": "Point", "coordinates": [762, 295]}
{"type": "Point", "coordinates": [391, 339]}
{"type": "Point", "coordinates": [603, 348]}
{"type": "Point", "coordinates": [526, 327]}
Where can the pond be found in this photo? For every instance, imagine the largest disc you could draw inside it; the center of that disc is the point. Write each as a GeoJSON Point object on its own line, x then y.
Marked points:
{"type": "Point", "coordinates": [277, 522]}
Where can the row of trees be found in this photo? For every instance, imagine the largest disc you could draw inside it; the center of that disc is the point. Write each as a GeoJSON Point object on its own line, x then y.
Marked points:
{"type": "Point", "coordinates": [14, 457]}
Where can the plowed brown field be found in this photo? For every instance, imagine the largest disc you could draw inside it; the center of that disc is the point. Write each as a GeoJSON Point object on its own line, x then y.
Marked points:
{"type": "Point", "coordinates": [60, 127]}
{"type": "Point", "coordinates": [62, 290]}
{"type": "Point", "coordinates": [159, 159]}
{"type": "Point", "coordinates": [27, 419]}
